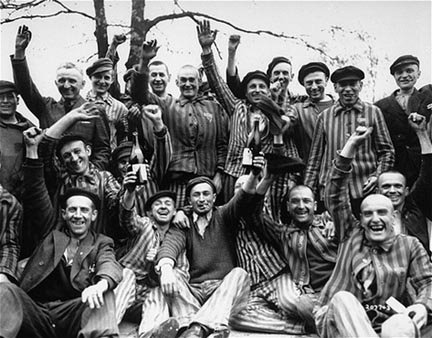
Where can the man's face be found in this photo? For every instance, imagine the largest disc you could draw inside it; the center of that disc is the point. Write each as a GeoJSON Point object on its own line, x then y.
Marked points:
{"type": "Point", "coordinates": [101, 82]}
{"type": "Point", "coordinates": [159, 78]}
{"type": "Point", "coordinates": [315, 84]}
{"type": "Point", "coordinates": [69, 82]}
{"type": "Point", "coordinates": [301, 205]}
{"type": "Point", "coordinates": [255, 88]}
{"type": "Point", "coordinates": [407, 76]}
{"type": "Point", "coordinates": [79, 214]}
{"type": "Point", "coordinates": [122, 165]}
{"type": "Point", "coordinates": [348, 91]}
{"type": "Point", "coordinates": [163, 210]}
{"type": "Point", "coordinates": [188, 82]}
{"type": "Point", "coordinates": [393, 186]}
{"type": "Point", "coordinates": [75, 156]}
{"type": "Point", "coordinates": [282, 72]}
{"type": "Point", "coordinates": [377, 218]}
{"type": "Point", "coordinates": [202, 198]}
{"type": "Point", "coordinates": [8, 104]}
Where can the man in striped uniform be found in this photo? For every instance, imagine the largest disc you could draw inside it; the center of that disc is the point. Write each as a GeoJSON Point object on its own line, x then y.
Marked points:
{"type": "Point", "coordinates": [334, 127]}
{"type": "Point", "coordinates": [374, 263]}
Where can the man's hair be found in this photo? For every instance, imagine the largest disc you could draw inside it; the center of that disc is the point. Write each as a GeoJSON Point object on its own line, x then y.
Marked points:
{"type": "Point", "coordinates": [67, 139]}
{"type": "Point", "coordinates": [392, 172]}
{"type": "Point", "coordinates": [70, 65]}
{"type": "Point", "coordinates": [159, 63]}
{"type": "Point", "coordinates": [190, 67]}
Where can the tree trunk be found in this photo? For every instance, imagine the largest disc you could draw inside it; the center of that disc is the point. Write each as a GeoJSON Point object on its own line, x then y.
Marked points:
{"type": "Point", "coordinates": [101, 28]}
{"type": "Point", "coordinates": [139, 31]}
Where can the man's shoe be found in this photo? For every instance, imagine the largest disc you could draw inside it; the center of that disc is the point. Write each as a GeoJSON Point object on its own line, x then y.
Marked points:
{"type": "Point", "coordinates": [194, 331]}
{"type": "Point", "coordinates": [167, 329]}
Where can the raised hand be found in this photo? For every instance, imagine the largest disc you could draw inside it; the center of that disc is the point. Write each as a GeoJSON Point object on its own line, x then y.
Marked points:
{"type": "Point", "coordinates": [149, 49]}
{"type": "Point", "coordinates": [22, 40]}
{"type": "Point", "coordinates": [233, 42]}
{"type": "Point", "coordinates": [154, 113]}
{"type": "Point", "coordinates": [32, 136]}
{"type": "Point", "coordinates": [206, 36]}
{"type": "Point", "coordinates": [118, 39]}
{"type": "Point", "coordinates": [417, 122]}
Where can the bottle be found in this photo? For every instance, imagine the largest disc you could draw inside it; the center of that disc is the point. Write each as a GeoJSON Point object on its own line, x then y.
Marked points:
{"type": "Point", "coordinates": [137, 162]}
{"type": "Point", "coordinates": [253, 145]}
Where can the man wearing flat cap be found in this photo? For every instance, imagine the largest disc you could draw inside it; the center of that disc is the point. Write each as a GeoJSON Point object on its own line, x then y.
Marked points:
{"type": "Point", "coordinates": [257, 105]}
{"type": "Point", "coordinates": [69, 81]}
{"type": "Point", "coordinates": [66, 287]}
{"type": "Point", "coordinates": [101, 78]}
{"type": "Point", "coordinates": [12, 124]}
{"type": "Point", "coordinates": [313, 77]}
{"type": "Point", "coordinates": [334, 127]}
{"type": "Point", "coordinates": [397, 107]}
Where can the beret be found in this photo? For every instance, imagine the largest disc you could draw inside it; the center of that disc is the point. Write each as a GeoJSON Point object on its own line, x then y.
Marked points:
{"type": "Point", "coordinates": [157, 195]}
{"type": "Point", "coordinates": [7, 86]}
{"type": "Point", "coordinates": [197, 180]}
{"type": "Point", "coordinates": [66, 139]}
{"type": "Point", "coordinates": [278, 164]}
{"type": "Point", "coordinates": [257, 74]}
{"type": "Point", "coordinates": [310, 68]}
{"type": "Point", "coordinates": [347, 73]}
{"type": "Point", "coordinates": [79, 192]}
{"type": "Point", "coordinates": [100, 65]}
{"type": "Point", "coordinates": [402, 61]}
{"type": "Point", "coordinates": [274, 62]}
{"type": "Point", "coordinates": [122, 150]}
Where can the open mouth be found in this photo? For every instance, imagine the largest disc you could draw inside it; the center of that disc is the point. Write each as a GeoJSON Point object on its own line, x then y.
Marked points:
{"type": "Point", "coordinates": [376, 228]}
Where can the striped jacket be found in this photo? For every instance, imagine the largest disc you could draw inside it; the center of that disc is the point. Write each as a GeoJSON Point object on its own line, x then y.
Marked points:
{"type": "Point", "coordinates": [396, 264]}
{"type": "Point", "coordinates": [334, 126]}
{"type": "Point", "coordinates": [10, 227]}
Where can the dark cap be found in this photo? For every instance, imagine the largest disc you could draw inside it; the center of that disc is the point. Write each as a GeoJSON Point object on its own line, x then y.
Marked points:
{"type": "Point", "coordinates": [347, 73]}
{"type": "Point", "coordinates": [79, 192]}
{"type": "Point", "coordinates": [197, 180]}
{"type": "Point", "coordinates": [278, 164]}
{"type": "Point", "coordinates": [274, 62]}
{"type": "Point", "coordinates": [100, 65]}
{"type": "Point", "coordinates": [121, 151]}
{"type": "Point", "coordinates": [7, 86]}
{"type": "Point", "coordinates": [403, 61]}
{"type": "Point", "coordinates": [159, 194]}
{"type": "Point", "coordinates": [257, 74]}
{"type": "Point", "coordinates": [66, 139]}
{"type": "Point", "coordinates": [310, 68]}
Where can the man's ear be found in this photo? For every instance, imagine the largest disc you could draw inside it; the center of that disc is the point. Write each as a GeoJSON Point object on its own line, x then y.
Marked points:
{"type": "Point", "coordinates": [361, 85]}
{"type": "Point", "coordinates": [315, 206]}
{"type": "Point", "coordinates": [94, 215]}
{"type": "Point", "coordinates": [177, 83]}
{"type": "Point", "coordinates": [88, 149]}
{"type": "Point", "coordinates": [63, 214]}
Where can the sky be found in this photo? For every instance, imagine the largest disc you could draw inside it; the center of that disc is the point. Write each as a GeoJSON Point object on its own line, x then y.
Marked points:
{"type": "Point", "coordinates": [390, 29]}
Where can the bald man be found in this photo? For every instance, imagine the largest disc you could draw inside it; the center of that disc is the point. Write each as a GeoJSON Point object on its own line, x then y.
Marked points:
{"type": "Point", "coordinates": [374, 263]}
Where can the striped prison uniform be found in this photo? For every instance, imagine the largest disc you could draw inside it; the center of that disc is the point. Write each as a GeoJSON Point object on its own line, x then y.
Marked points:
{"type": "Point", "coordinates": [149, 301]}
{"type": "Point", "coordinates": [158, 167]}
{"type": "Point", "coordinates": [199, 133]}
{"type": "Point", "coordinates": [10, 227]}
{"type": "Point", "coordinates": [394, 263]}
{"type": "Point", "coordinates": [334, 126]}
{"type": "Point", "coordinates": [239, 113]}
{"type": "Point", "coordinates": [117, 114]}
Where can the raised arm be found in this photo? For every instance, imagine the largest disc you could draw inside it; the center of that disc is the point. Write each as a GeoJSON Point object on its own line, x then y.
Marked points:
{"type": "Point", "coordinates": [112, 54]}
{"type": "Point", "coordinates": [383, 144]}
{"type": "Point", "coordinates": [232, 77]}
{"type": "Point", "coordinates": [206, 38]}
{"type": "Point", "coordinates": [337, 198]}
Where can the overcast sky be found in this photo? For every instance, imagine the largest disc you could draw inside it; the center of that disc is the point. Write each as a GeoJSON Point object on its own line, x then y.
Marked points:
{"type": "Point", "coordinates": [393, 28]}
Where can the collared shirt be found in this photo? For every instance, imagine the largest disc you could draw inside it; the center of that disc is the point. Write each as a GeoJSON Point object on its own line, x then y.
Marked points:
{"type": "Point", "coordinates": [238, 111]}
{"type": "Point", "coordinates": [334, 126]}
{"type": "Point", "coordinates": [401, 259]}
{"type": "Point", "coordinates": [202, 221]}
{"type": "Point", "coordinates": [11, 214]}
{"type": "Point", "coordinates": [117, 117]}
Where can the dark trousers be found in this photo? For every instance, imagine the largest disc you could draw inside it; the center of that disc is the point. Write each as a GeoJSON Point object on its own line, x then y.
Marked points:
{"type": "Point", "coordinates": [20, 316]}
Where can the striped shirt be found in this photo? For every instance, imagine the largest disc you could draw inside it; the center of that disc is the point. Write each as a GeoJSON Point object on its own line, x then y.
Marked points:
{"type": "Point", "coordinates": [10, 227]}
{"type": "Point", "coordinates": [399, 261]}
{"type": "Point", "coordinates": [117, 114]}
{"type": "Point", "coordinates": [239, 113]}
{"type": "Point", "coordinates": [198, 128]}
{"type": "Point", "coordinates": [334, 126]}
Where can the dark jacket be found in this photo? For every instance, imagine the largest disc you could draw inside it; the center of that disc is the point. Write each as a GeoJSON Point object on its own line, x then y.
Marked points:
{"type": "Point", "coordinates": [404, 138]}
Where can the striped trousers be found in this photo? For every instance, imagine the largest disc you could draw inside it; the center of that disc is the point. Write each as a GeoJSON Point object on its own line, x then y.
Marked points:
{"type": "Point", "coordinates": [273, 307]}
{"type": "Point", "coordinates": [124, 293]}
{"type": "Point", "coordinates": [179, 187]}
{"type": "Point", "coordinates": [345, 316]}
{"type": "Point", "coordinates": [211, 303]}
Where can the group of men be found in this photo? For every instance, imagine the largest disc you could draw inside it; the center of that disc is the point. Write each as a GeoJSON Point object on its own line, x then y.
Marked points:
{"type": "Point", "coordinates": [325, 232]}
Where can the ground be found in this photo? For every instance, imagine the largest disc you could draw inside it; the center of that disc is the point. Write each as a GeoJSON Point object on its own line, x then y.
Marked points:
{"type": "Point", "coordinates": [128, 330]}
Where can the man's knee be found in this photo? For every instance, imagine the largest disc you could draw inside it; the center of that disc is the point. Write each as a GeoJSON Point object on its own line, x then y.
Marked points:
{"type": "Point", "coordinates": [399, 325]}
{"type": "Point", "coordinates": [344, 299]}
{"type": "Point", "coordinates": [239, 274]}
{"type": "Point", "coordinates": [11, 310]}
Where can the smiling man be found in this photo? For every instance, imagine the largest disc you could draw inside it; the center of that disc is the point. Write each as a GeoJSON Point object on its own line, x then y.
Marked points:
{"type": "Point", "coordinates": [397, 107]}
{"type": "Point", "coordinates": [69, 81]}
{"type": "Point", "coordinates": [337, 123]}
{"type": "Point", "coordinates": [373, 264]}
